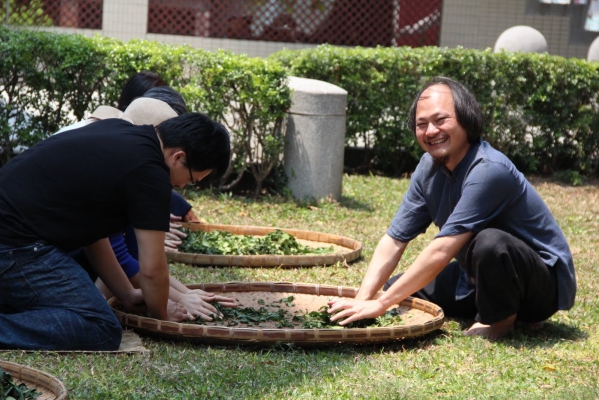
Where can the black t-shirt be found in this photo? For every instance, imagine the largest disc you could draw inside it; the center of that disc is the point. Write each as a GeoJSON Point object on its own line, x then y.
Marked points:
{"type": "Point", "coordinates": [83, 185]}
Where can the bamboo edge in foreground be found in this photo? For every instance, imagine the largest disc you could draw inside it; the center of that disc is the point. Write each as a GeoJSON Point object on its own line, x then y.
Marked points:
{"type": "Point", "coordinates": [40, 380]}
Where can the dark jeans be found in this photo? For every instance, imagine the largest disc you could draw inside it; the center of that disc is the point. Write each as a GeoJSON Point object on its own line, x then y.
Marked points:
{"type": "Point", "coordinates": [510, 279]}
{"type": "Point", "coordinates": [441, 291]}
{"type": "Point", "coordinates": [48, 302]}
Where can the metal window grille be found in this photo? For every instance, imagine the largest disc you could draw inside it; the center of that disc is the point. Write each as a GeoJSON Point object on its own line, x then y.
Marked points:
{"type": "Point", "coordinates": [338, 22]}
{"type": "Point", "coordinates": [76, 13]}
{"type": "Point", "coordinates": [67, 13]}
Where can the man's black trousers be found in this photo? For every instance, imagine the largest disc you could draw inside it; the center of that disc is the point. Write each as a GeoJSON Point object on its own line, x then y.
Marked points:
{"type": "Point", "coordinates": [510, 278]}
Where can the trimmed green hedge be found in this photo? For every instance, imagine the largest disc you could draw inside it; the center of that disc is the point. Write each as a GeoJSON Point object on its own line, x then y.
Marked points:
{"type": "Point", "coordinates": [46, 82]}
{"type": "Point", "coordinates": [540, 110]}
{"type": "Point", "coordinates": [49, 80]}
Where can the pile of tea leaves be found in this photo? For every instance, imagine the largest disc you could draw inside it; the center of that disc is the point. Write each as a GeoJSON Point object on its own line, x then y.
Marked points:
{"type": "Point", "coordinates": [9, 390]}
{"type": "Point", "coordinates": [275, 312]}
{"type": "Point", "coordinates": [251, 316]}
{"type": "Point", "coordinates": [226, 243]}
{"type": "Point", "coordinates": [322, 319]}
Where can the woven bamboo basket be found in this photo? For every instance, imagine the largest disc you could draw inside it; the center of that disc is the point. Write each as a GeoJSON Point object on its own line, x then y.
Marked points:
{"type": "Point", "coordinates": [345, 249]}
{"type": "Point", "coordinates": [419, 316]}
{"type": "Point", "coordinates": [50, 387]}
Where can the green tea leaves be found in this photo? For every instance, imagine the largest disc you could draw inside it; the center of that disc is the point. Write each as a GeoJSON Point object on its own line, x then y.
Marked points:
{"type": "Point", "coordinates": [283, 318]}
{"type": "Point", "coordinates": [9, 390]}
{"type": "Point", "coordinates": [249, 316]}
{"type": "Point", "coordinates": [226, 243]}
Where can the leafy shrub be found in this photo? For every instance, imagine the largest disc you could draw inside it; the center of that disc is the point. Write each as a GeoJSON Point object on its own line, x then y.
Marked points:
{"type": "Point", "coordinates": [251, 97]}
{"type": "Point", "coordinates": [540, 110]}
{"type": "Point", "coordinates": [570, 177]}
{"type": "Point", "coordinates": [128, 58]}
{"type": "Point", "coordinates": [48, 81]}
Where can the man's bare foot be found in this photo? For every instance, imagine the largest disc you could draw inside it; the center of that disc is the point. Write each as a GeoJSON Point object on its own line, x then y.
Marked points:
{"type": "Point", "coordinates": [494, 331]}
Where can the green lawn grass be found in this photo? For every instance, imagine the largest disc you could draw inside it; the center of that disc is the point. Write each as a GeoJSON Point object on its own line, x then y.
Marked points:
{"type": "Point", "coordinates": [560, 361]}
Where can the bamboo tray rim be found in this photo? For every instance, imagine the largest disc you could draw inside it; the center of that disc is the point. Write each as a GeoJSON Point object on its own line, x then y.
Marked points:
{"type": "Point", "coordinates": [34, 378]}
{"type": "Point", "coordinates": [301, 336]}
{"type": "Point", "coordinates": [352, 249]}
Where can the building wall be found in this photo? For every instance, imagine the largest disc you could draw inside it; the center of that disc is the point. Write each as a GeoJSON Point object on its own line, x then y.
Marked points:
{"type": "Point", "coordinates": [128, 19]}
{"type": "Point", "coordinates": [477, 24]}
{"type": "Point", "coordinates": [472, 24]}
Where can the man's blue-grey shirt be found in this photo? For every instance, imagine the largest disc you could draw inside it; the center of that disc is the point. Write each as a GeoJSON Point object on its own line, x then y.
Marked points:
{"type": "Point", "coordinates": [485, 190]}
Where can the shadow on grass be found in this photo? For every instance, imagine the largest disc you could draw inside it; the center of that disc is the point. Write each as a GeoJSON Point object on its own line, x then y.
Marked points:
{"type": "Point", "coordinates": [345, 201]}
{"type": "Point", "coordinates": [410, 344]}
{"type": "Point", "coordinates": [290, 370]}
{"type": "Point", "coordinates": [551, 334]}
{"type": "Point", "coordinates": [410, 368]}
{"type": "Point", "coordinates": [353, 204]}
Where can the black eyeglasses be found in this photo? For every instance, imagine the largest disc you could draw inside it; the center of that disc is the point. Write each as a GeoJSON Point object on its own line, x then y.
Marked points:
{"type": "Point", "coordinates": [191, 180]}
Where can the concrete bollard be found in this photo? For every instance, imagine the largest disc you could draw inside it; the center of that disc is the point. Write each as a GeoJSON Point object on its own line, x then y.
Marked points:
{"type": "Point", "coordinates": [315, 139]}
{"type": "Point", "coordinates": [524, 39]}
{"type": "Point", "coordinates": [593, 53]}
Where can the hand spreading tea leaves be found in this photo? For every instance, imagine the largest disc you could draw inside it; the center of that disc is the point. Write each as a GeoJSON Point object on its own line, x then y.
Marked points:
{"type": "Point", "coordinates": [284, 319]}
{"type": "Point", "coordinates": [9, 390]}
{"type": "Point", "coordinates": [277, 315]}
{"type": "Point", "coordinates": [226, 243]}
{"type": "Point", "coordinates": [322, 319]}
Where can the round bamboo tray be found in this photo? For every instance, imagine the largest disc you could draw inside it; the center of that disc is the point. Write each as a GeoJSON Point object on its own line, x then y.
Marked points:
{"type": "Point", "coordinates": [346, 249]}
{"type": "Point", "coordinates": [419, 316]}
{"type": "Point", "coordinates": [50, 387]}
